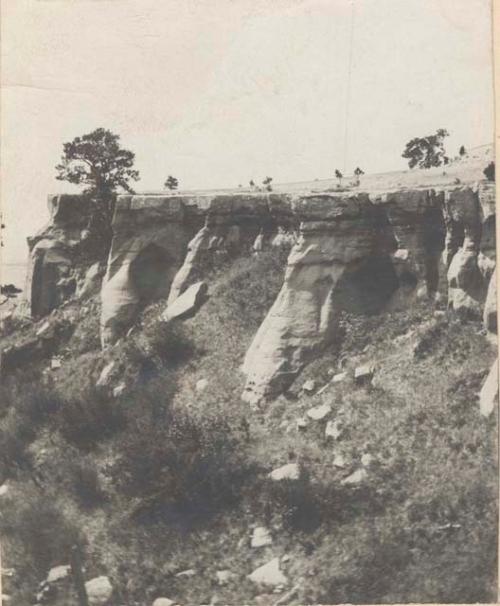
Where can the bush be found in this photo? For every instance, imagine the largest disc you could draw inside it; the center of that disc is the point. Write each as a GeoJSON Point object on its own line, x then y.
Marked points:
{"type": "Point", "coordinates": [86, 484]}
{"type": "Point", "coordinates": [179, 466]}
{"type": "Point", "coordinates": [36, 535]}
{"type": "Point", "coordinates": [88, 419]}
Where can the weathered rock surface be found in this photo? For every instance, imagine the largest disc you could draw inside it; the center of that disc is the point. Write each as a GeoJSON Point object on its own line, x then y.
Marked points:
{"type": "Point", "coordinates": [418, 229]}
{"type": "Point", "coordinates": [291, 471]}
{"type": "Point", "coordinates": [91, 283]}
{"type": "Point", "coordinates": [164, 244]}
{"type": "Point", "coordinates": [51, 277]}
{"type": "Point", "coordinates": [335, 233]}
{"type": "Point", "coordinates": [269, 574]}
{"type": "Point", "coordinates": [99, 591]}
{"type": "Point", "coordinates": [468, 212]}
{"type": "Point", "coordinates": [186, 304]}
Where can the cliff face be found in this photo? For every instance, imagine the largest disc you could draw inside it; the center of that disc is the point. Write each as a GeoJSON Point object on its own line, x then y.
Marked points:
{"type": "Point", "coordinates": [53, 250]}
{"type": "Point", "coordinates": [349, 251]}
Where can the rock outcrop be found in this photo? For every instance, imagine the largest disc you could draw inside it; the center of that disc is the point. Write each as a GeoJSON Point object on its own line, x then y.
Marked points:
{"type": "Point", "coordinates": [336, 233]}
{"type": "Point", "coordinates": [51, 275]}
{"type": "Point", "coordinates": [418, 228]}
{"type": "Point", "coordinates": [470, 258]}
{"type": "Point", "coordinates": [164, 244]}
{"type": "Point", "coordinates": [358, 252]}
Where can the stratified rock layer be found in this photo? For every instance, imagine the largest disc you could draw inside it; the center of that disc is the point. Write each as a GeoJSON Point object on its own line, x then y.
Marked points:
{"type": "Point", "coordinates": [151, 235]}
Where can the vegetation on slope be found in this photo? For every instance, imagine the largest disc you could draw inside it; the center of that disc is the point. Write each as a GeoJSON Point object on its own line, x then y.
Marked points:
{"type": "Point", "coordinates": [168, 477]}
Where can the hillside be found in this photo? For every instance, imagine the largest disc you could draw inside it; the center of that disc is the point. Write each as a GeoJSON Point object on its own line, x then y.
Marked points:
{"type": "Point", "coordinates": [269, 398]}
{"type": "Point", "coordinates": [171, 477]}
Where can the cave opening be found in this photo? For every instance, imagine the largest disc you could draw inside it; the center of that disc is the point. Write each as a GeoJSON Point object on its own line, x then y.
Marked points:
{"type": "Point", "coordinates": [368, 286]}
{"type": "Point", "coordinates": [151, 273]}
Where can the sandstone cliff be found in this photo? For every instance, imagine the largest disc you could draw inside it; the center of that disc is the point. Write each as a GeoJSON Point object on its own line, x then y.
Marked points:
{"type": "Point", "coordinates": [351, 250]}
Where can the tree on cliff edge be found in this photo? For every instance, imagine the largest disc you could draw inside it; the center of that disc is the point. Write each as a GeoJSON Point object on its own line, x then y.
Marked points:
{"type": "Point", "coordinates": [97, 162]}
{"type": "Point", "coordinates": [426, 152]}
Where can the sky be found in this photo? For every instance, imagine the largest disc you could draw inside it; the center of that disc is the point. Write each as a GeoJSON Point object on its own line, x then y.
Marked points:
{"type": "Point", "coordinates": [218, 92]}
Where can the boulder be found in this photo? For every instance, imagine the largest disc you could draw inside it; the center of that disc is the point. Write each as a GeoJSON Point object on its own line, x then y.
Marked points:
{"type": "Point", "coordinates": [99, 591]}
{"type": "Point", "coordinates": [364, 374]}
{"type": "Point", "coordinates": [318, 413]}
{"type": "Point", "coordinates": [55, 364]}
{"type": "Point", "coordinates": [106, 375]}
{"type": "Point", "coordinates": [333, 430]}
{"type": "Point", "coordinates": [163, 602]}
{"type": "Point", "coordinates": [291, 471]}
{"type": "Point", "coordinates": [187, 304]}
{"type": "Point", "coordinates": [466, 285]}
{"type": "Point", "coordinates": [302, 423]}
{"type": "Point", "coordinates": [261, 537]}
{"type": "Point", "coordinates": [119, 390]}
{"type": "Point", "coordinates": [488, 398]}
{"type": "Point", "coordinates": [357, 477]}
{"type": "Point", "coordinates": [269, 574]}
{"type": "Point", "coordinates": [190, 572]}
{"type": "Point", "coordinates": [339, 377]}
{"type": "Point", "coordinates": [309, 386]}
{"type": "Point", "coordinates": [58, 573]}
{"type": "Point", "coordinates": [339, 460]}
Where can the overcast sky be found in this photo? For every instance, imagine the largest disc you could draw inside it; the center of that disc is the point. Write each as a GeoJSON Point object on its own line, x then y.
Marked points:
{"type": "Point", "coordinates": [217, 92]}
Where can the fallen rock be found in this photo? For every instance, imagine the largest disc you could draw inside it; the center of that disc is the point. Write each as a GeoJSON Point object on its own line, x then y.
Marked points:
{"type": "Point", "coordinates": [269, 574]}
{"type": "Point", "coordinates": [105, 376]}
{"type": "Point", "coordinates": [338, 378]}
{"type": "Point", "coordinates": [187, 304]}
{"type": "Point", "coordinates": [333, 430]}
{"type": "Point", "coordinates": [318, 413]}
{"type": "Point", "coordinates": [488, 398]}
{"type": "Point", "coordinates": [339, 460]}
{"type": "Point", "coordinates": [302, 423]}
{"type": "Point", "coordinates": [364, 374]}
{"type": "Point", "coordinates": [466, 285]}
{"type": "Point", "coordinates": [58, 573]}
{"type": "Point", "coordinates": [224, 576]}
{"type": "Point", "coordinates": [99, 591]}
{"type": "Point", "coordinates": [190, 572]}
{"type": "Point", "coordinates": [291, 471]}
{"type": "Point", "coordinates": [55, 364]}
{"type": "Point", "coordinates": [356, 477]}
{"type": "Point", "coordinates": [163, 602]}
{"type": "Point", "coordinates": [119, 390]}
{"type": "Point", "coordinates": [309, 386]}
{"type": "Point", "coordinates": [43, 330]}
{"type": "Point", "coordinates": [4, 489]}
{"type": "Point", "coordinates": [261, 537]}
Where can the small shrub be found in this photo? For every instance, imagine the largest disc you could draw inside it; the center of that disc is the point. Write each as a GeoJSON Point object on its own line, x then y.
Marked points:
{"type": "Point", "coordinates": [36, 529]}
{"type": "Point", "coordinates": [181, 467]}
{"type": "Point", "coordinates": [85, 483]}
{"type": "Point", "coordinates": [86, 420]}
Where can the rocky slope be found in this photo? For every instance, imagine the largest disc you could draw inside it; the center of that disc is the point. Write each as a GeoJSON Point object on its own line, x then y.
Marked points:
{"type": "Point", "coordinates": [361, 329]}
